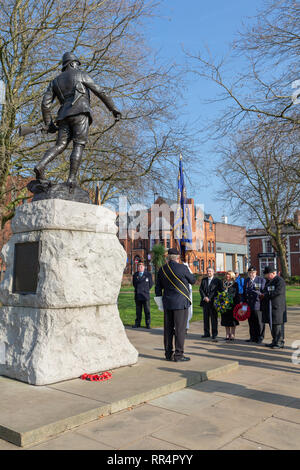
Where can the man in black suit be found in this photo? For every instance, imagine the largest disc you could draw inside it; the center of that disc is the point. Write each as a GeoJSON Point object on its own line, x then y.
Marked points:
{"type": "Point", "coordinates": [274, 306]}
{"type": "Point", "coordinates": [142, 282]}
{"type": "Point", "coordinates": [172, 284]}
{"type": "Point", "coordinates": [209, 288]}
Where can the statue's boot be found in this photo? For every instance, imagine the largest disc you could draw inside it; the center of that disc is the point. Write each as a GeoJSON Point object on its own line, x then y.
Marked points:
{"type": "Point", "coordinates": [49, 155]}
{"type": "Point", "coordinates": [75, 160]}
{"type": "Point", "coordinates": [39, 172]}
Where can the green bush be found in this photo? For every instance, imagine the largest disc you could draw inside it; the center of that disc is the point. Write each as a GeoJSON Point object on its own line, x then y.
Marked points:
{"type": "Point", "coordinates": [293, 280]}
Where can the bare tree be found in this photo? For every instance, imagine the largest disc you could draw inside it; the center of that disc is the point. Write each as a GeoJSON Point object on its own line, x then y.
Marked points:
{"type": "Point", "coordinates": [260, 118]}
{"type": "Point", "coordinates": [268, 84]}
{"type": "Point", "coordinates": [255, 187]}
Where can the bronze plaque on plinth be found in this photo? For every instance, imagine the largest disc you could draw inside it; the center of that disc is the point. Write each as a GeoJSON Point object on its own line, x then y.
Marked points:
{"type": "Point", "coordinates": [26, 267]}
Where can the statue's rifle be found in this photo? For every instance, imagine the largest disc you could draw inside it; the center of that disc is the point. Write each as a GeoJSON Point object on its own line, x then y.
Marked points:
{"type": "Point", "coordinates": [27, 130]}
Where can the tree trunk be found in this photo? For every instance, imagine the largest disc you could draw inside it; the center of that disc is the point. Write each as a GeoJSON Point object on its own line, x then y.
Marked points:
{"type": "Point", "coordinates": [281, 249]}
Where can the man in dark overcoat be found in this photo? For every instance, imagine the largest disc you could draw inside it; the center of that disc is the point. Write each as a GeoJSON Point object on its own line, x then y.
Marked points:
{"type": "Point", "coordinates": [142, 282]}
{"type": "Point", "coordinates": [209, 288]}
{"type": "Point", "coordinates": [172, 284]}
{"type": "Point", "coordinates": [72, 89]}
{"type": "Point", "coordinates": [274, 306]}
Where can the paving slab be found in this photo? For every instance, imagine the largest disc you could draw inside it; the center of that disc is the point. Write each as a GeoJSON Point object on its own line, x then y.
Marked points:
{"type": "Point", "coordinates": [252, 404]}
{"type": "Point", "coordinates": [151, 443]}
{"type": "Point", "coordinates": [138, 423]}
{"type": "Point", "coordinates": [71, 441]}
{"type": "Point", "coordinates": [290, 413]}
{"type": "Point", "coordinates": [276, 433]}
{"type": "Point", "coordinates": [29, 414]}
{"type": "Point", "coordinates": [188, 401]}
{"type": "Point", "coordinates": [210, 430]}
{"type": "Point", "coordinates": [245, 444]}
{"type": "Point", "coordinates": [33, 414]}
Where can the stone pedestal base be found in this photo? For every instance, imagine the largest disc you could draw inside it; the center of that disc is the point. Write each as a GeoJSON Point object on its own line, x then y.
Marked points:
{"type": "Point", "coordinates": [44, 346]}
{"type": "Point", "coordinates": [70, 325]}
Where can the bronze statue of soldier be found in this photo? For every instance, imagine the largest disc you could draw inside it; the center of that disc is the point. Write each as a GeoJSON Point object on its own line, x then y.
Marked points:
{"type": "Point", "coordinates": [72, 89]}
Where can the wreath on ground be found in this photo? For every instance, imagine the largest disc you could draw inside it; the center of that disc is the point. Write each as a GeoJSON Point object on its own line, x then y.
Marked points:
{"type": "Point", "coordinates": [96, 377]}
{"type": "Point", "coordinates": [241, 311]}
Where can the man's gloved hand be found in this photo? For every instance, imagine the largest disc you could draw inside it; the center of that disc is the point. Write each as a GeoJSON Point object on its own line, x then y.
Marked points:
{"type": "Point", "coordinates": [117, 115]}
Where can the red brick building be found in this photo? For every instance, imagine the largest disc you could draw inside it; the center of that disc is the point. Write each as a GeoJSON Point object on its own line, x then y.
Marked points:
{"type": "Point", "coordinates": [160, 222]}
{"type": "Point", "coordinates": [15, 187]}
{"type": "Point", "coordinates": [231, 247]}
{"type": "Point", "coordinates": [262, 253]}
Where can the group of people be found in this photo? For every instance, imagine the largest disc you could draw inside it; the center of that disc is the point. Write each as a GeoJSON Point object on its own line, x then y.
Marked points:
{"type": "Point", "coordinates": [265, 297]}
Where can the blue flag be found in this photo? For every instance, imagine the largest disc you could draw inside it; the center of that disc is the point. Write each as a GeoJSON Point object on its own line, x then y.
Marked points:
{"type": "Point", "coordinates": [182, 222]}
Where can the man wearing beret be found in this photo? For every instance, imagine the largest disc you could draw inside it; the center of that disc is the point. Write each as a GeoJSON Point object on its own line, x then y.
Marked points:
{"type": "Point", "coordinates": [142, 283]}
{"type": "Point", "coordinates": [274, 306]}
{"type": "Point", "coordinates": [253, 288]}
{"type": "Point", "coordinates": [172, 284]}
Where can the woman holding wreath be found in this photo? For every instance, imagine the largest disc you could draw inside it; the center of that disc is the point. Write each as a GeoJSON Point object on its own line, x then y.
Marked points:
{"type": "Point", "coordinates": [227, 319]}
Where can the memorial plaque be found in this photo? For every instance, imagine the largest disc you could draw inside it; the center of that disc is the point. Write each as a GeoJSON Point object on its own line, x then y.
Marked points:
{"type": "Point", "coordinates": [26, 267]}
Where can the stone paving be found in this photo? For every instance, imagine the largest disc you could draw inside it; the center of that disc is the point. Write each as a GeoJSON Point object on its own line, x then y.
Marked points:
{"type": "Point", "coordinates": [254, 407]}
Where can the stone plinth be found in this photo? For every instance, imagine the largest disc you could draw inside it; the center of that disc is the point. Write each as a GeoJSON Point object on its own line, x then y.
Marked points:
{"type": "Point", "coordinates": [70, 325]}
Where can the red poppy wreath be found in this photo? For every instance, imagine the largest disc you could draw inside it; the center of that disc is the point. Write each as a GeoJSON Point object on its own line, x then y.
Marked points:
{"type": "Point", "coordinates": [241, 311]}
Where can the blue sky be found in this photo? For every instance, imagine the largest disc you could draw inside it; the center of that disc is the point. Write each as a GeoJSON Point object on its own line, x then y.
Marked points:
{"type": "Point", "coordinates": [194, 25]}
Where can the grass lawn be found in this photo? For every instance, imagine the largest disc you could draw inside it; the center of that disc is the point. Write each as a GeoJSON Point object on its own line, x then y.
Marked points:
{"type": "Point", "coordinates": [127, 305]}
{"type": "Point", "coordinates": [293, 296]}
{"type": "Point", "coordinates": [127, 310]}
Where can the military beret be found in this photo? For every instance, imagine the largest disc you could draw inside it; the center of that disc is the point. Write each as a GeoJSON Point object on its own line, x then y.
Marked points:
{"type": "Point", "coordinates": [251, 269]}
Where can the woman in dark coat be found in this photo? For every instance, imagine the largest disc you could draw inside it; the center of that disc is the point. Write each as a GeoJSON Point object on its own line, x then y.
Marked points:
{"type": "Point", "coordinates": [227, 318]}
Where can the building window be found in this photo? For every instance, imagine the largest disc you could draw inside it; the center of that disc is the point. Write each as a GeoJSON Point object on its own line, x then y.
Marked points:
{"type": "Point", "coordinates": [267, 246]}
{"type": "Point", "coordinates": [263, 262]}
{"type": "Point", "coordinates": [209, 247]}
{"type": "Point", "coordinates": [213, 247]}
{"type": "Point", "coordinates": [202, 265]}
{"type": "Point", "coordinates": [210, 226]}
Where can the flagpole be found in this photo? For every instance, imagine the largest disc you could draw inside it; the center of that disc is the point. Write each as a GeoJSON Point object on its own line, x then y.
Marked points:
{"type": "Point", "coordinates": [182, 202]}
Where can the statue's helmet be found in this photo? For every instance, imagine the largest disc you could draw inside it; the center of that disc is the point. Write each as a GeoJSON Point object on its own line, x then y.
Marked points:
{"type": "Point", "coordinates": [69, 57]}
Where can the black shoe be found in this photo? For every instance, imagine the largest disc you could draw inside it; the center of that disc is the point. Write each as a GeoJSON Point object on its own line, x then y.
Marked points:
{"type": "Point", "coordinates": [214, 338]}
{"type": "Point", "coordinates": [269, 345]}
{"type": "Point", "coordinates": [170, 358]}
{"type": "Point", "coordinates": [251, 340]}
{"type": "Point", "coordinates": [136, 326]}
{"type": "Point", "coordinates": [205, 336]}
{"type": "Point", "coordinates": [182, 359]}
{"type": "Point", "coordinates": [277, 346]}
